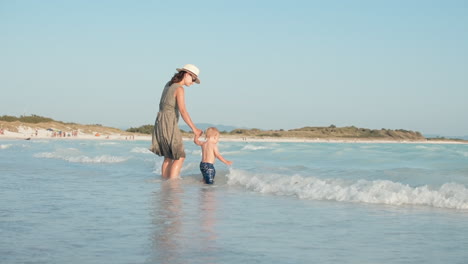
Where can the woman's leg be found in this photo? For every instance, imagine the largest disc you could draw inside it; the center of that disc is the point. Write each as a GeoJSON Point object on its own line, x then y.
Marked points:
{"type": "Point", "coordinates": [175, 168]}
{"type": "Point", "coordinates": [166, 168]}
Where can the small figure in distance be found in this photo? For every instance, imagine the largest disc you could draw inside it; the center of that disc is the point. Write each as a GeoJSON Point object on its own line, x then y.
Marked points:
{"type": "Point", "coordinates": [209, 153]}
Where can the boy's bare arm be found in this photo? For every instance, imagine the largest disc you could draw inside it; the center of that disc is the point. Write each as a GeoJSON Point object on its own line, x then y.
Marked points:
{"type": "Point", "coordinates": [220, 157]}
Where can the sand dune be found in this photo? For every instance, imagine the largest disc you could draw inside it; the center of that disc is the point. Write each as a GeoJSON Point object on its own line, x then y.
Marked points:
{"type": "Point", "coordinates": [89, 132]}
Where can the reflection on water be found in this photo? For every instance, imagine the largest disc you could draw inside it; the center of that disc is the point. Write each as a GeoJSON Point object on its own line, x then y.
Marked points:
{"type": "Point", "coordinates": [184, 227]}
{"type": "Point", "coordinates": [208, 223]}
{"type": "Point", "coordinates": [167, 221]}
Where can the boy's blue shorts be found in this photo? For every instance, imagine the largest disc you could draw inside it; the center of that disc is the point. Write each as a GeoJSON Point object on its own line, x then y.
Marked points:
{"type": "Point", "coordinates": [208, 171]}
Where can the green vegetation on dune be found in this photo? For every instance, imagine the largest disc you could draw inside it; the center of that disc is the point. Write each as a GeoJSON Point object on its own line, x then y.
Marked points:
{"type": "Point", "coordinates": [308, 132]}
{"type": "Point", "coordinates": [34, 119]}
{"type": "Point", "coordinates": [354, 132]}
{"type": "Point", "coordinates": [331, 132]}
{"type": "Point", "coordinates": [11, 123]}
{"type": "Point", "coordinates": [145, 129]}
{"type": "Point", "coordinates": [334, 132]}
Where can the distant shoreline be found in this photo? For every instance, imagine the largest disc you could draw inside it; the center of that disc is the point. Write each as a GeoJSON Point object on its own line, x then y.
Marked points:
{"type": "Point", "coordinates": [44, 134]}
{"type": "Point", "coordinates": [93, 132]}
{"type": "Point", "coordinates": [332, 140]}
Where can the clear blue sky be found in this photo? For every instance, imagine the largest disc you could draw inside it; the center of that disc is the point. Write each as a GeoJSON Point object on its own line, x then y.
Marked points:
{"type": "Point", "coordinates": [264, 64]}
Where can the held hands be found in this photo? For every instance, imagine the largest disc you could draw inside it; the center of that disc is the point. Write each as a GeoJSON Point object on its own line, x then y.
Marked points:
{"type": "Point", "coordinates": [197, 132]}
{"type": "Point", "coordinates": [196, 136]}
{"type": "Point", "coordinates": [196, 141]}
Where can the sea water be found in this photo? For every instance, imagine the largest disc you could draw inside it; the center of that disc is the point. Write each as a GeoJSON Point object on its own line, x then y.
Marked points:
{"type": "Point", "coordinates": [73, 201]}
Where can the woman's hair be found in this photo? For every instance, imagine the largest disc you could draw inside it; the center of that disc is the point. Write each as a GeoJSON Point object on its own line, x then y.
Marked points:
{"type": "Point", "coordinates": [211, 132]}
{"type": "Point", "coordinates": [179, 76]}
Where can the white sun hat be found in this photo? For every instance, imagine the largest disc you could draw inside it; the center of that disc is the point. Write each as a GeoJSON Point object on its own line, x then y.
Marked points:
{"type": "Point", "coordinates": [192, 69]}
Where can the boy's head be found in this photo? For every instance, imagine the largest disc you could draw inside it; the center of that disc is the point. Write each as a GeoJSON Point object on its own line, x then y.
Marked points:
{"type": "Point", "coordinates": [212, 132]}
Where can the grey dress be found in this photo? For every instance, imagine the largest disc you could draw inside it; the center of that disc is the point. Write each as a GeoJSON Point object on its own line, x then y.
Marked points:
{"type": "Point", "coordinates": [167, 139]}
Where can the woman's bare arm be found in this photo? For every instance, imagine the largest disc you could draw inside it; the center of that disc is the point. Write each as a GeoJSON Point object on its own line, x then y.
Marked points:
{"type": "Point", "coordinates": [180, 97]}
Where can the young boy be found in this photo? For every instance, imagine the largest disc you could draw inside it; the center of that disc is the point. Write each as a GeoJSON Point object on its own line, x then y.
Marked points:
{"type": "Point", "coordinates": [209, 153]}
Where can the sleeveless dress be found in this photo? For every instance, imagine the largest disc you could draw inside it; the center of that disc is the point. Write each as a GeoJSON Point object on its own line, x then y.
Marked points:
{"type": "Point", "coordinates": [167, 139]}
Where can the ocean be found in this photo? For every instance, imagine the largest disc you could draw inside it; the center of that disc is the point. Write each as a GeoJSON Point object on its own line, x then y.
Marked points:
{"type": "Point", "coordinates": [97, 201]}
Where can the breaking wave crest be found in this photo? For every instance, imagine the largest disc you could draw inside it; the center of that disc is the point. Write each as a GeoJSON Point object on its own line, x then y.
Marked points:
{"type": "Point", "coordinates": [253, 147]}
{"type": "Point", "coordinates": [5, 146]}
{"type": "Point", "coordinates": [141, 150]}
{"type": "Point", "coordinates": [81, 158]}
{"type": "Point", "coordinates": [449, 195]}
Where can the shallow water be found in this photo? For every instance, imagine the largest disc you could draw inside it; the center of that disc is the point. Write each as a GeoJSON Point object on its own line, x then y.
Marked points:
{"type": "Point", "coordinates": [71, 201]}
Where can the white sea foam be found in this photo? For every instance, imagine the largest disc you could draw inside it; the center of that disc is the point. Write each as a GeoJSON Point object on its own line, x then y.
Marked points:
{"type": "Point", "coordinates": [449, 195]}
{"type": "Point", "coordinates": [228, 153]}
{"type": "Point", "coordinates": [196, 152]}
{"type": "Point", "coordinates": [253, 147]}
{"type": "Point", "coordinates": [81, 158]}
{"type": "Point", "coordinates": [5, 146]}
{"type": "Point", "coordinates": [140, 150]}
{"type": "Point", "coordinates": [421, 147]}
{"type": "Point", "coordinates": [190, 166]}
{"type": "Point", "coordinates": [40, 141]}
{"type": "Point", "coordinates": [157, 166]}
{"type": "Point", "coordinates": [107, 143]}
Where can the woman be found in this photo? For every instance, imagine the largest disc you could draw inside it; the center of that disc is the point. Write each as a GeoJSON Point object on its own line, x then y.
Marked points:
{"type": "Point", "coordinates": [167, 139]}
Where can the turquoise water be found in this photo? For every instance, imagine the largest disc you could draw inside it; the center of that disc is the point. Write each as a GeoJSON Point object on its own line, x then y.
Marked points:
{"type": "Point", "coordinates": [72, 201]}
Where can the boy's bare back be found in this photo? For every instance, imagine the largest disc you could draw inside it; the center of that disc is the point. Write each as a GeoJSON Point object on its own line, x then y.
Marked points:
{"type": "Point", "coordinates": [209, 147]}
{"type": "Point", "coordinates": [208, 151]}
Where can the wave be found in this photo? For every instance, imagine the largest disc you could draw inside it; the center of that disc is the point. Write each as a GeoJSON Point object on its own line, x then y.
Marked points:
{"type": "Point", "coordinates": [141, 150]}
{"type": "Point", "coordinates": [40, 141]}
{"type": "Point", "coordinates": [190, 167]}
{"type": "Point", "coordinates": [449, 195]}
{"type": "Point", "coordinates": [5, 146]}
{"type": "Point", "coordinates": [438, 148]}
{"type": "Point", "coordinates": [81, 158]}
{"type": "Point", "coordinates": [107, 143]}
{"type": "Point", "coordinates": [253, 147]}
{"type": "Point", "coordinates": [196, 152]}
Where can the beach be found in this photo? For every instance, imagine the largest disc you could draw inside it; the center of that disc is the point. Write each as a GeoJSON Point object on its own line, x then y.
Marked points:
{"type": "Point", "coordinates": [31, 133]}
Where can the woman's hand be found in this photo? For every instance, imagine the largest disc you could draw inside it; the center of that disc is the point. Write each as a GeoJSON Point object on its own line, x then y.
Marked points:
{"type": "Point", "coordinates": [196, 141]}
{"type": "Point", "coordinates": [197, 132]}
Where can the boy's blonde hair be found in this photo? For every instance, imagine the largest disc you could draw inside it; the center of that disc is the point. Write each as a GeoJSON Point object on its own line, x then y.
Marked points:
{"type": "Point", "coordinates": [211, 132]}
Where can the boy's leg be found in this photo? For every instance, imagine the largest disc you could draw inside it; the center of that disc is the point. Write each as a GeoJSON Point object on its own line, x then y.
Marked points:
{"type": "Point", "coordinates": [208, 171]}
{"type": "Point", "coordinates": [211, 175]}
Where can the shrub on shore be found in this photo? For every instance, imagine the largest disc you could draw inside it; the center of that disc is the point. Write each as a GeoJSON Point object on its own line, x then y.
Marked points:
{"type": "Point", "coordinates": [330, 132]}
{"type": "Point", "coordinates": [145, 129]}
{"type": "Point", "coordinates": [34, 119]}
